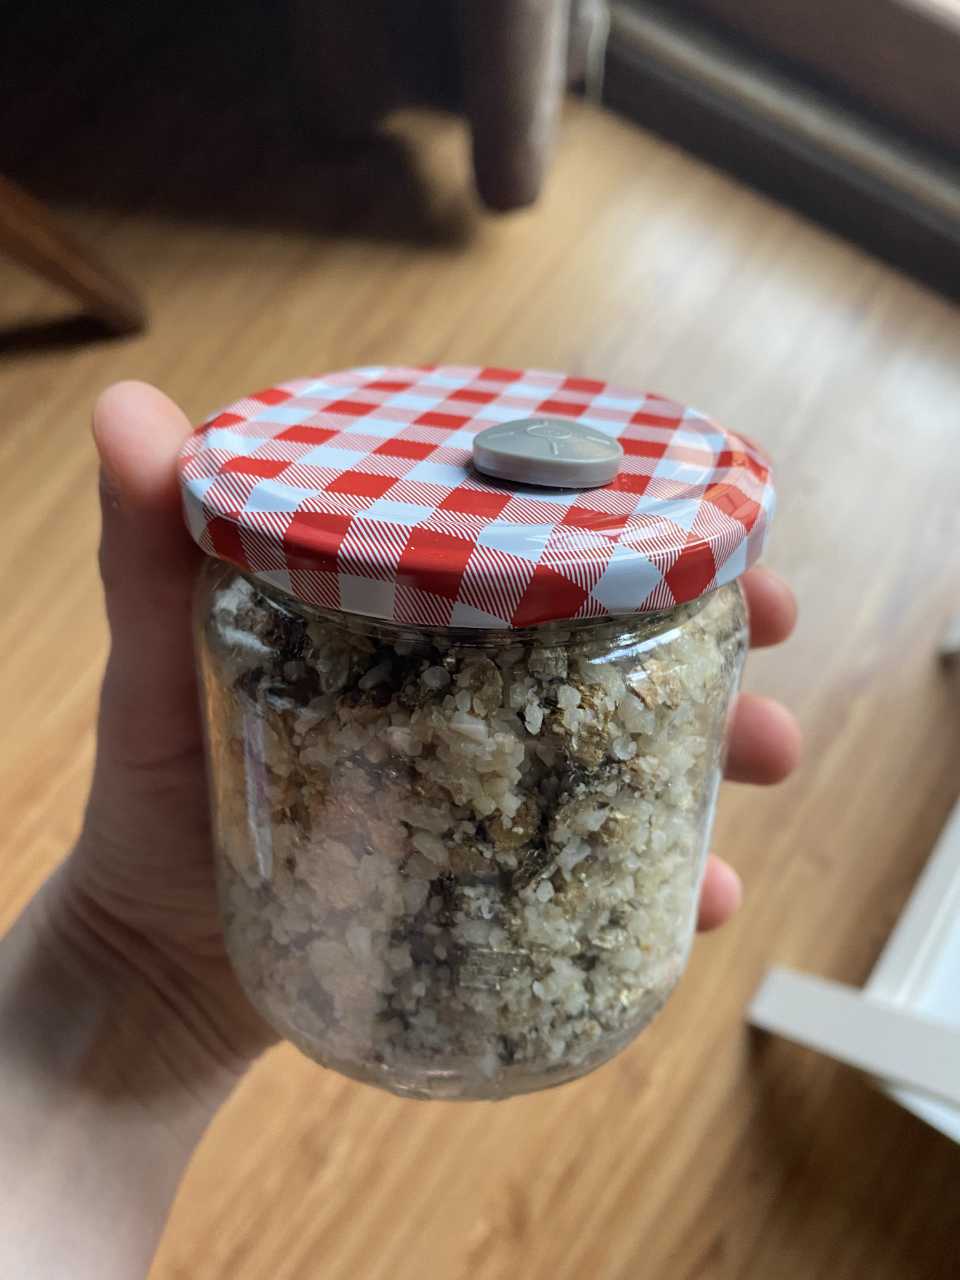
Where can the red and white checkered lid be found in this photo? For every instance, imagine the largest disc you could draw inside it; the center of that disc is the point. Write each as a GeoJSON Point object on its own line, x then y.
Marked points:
{"type": "Point", "coordinates": [355, 491]}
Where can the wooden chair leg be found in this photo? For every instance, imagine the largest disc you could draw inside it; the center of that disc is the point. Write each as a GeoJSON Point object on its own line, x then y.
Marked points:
{"type": "Point", "coordinates": [514, 58]}
{"type": "Point", "coordinates": [31, 236]}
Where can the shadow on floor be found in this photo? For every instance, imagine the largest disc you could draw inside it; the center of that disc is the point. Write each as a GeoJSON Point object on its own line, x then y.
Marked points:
{"type": "Point", "coordinates": [54, 334]}
{"type": "Point", "coordinates": [191, 111]}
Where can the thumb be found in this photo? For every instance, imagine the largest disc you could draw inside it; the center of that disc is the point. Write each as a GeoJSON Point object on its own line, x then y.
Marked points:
{"type": "Point", "coordinates": [147, 562]}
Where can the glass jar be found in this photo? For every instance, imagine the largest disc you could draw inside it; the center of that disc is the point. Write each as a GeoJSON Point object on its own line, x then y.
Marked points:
{"type": "Point", "coordinates": [461, 864]}
{"type": "Point", "coordinates": [466, 672]}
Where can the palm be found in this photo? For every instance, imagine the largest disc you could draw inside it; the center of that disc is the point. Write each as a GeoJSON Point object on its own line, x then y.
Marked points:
{"type": "Point", "coordinates": [144, 860]}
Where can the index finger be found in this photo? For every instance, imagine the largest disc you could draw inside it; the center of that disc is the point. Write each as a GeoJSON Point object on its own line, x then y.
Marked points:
{"type": "Point", "coordinates": [771, 606]}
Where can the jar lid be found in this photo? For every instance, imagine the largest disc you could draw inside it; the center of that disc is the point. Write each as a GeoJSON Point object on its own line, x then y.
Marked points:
{"type": "Point", "coordinates": [357, 491]}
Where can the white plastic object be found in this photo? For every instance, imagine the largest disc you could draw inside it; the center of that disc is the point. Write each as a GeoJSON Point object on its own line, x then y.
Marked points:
{"type": "Point", "coordinates": [903, 1047]}
{"type": "Point", "coordinates": [904, 1026]}
{"type": "Point", "coordinates": [555, 452]}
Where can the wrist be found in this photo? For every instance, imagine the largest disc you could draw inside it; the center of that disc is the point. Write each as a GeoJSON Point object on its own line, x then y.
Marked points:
{"type": "Point", "coordinates": [105, 1090]}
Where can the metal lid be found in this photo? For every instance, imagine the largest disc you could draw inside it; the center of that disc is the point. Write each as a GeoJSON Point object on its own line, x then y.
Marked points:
{"type": "Point", "coordinates": [357, 491]}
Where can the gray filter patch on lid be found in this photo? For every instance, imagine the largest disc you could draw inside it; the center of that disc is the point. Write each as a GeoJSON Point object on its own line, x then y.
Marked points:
{"type": "Point", "coordinates": [556, 452]}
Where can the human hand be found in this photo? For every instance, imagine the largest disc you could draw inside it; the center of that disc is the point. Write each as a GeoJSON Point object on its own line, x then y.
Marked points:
{"type": "Point", "coordinates": [123, 1025]}
{"type": "Point", "coordinates": [140, 882]}
{"type": "Point", "coordinates": [142, 872]}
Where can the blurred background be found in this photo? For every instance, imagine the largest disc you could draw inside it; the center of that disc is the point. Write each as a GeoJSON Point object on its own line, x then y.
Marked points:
{"type": "Point", "coordinates": [282, 113]}
{"type": "Point", "coordinates": [752, 207]}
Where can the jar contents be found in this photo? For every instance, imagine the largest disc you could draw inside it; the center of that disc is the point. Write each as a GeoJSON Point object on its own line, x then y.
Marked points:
{"type": "Point", "coordinates": [462, 864]}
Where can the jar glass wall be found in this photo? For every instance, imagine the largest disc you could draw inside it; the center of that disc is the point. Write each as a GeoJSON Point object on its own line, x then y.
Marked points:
{"type": "Point", "coordinates": [461, 864]}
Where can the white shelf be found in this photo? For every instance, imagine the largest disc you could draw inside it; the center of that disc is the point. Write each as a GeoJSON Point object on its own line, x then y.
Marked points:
{"type": "Point", "coordinates": [904, 1026]}
{"type": "Point", "coordinates": [920, 965]}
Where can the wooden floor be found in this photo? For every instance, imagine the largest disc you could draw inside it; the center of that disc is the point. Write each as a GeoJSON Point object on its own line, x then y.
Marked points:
{"type": "Point", "coordinates": [702, 1153]}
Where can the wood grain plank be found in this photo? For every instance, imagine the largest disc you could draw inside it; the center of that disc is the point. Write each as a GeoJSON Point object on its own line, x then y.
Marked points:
{"type": "Point", "coordinates": [701, 1153]}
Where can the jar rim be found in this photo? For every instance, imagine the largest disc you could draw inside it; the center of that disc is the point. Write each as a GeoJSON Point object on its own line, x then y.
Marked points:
{"type": "Point", "coordinates": [556, 632]}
